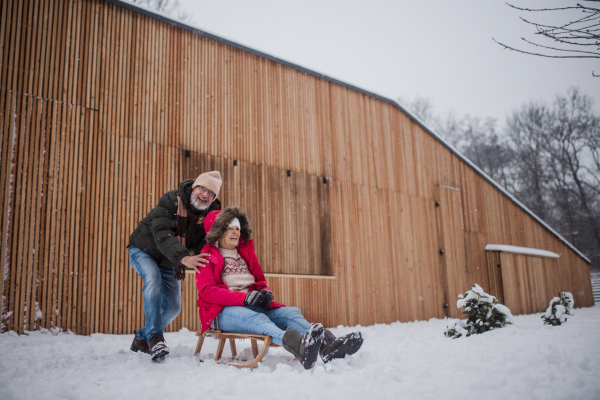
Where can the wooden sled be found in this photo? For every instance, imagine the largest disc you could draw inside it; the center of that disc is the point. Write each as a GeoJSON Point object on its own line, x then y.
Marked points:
{"type": "Point", "coordinates": [222, 336]}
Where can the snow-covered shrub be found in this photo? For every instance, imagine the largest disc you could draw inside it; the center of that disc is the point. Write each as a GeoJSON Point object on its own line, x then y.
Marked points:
{"type": "Point", "coordinates": [456, 328]}
{"type": "Point", "coordinates": [483, 314]}
{"type": "Point", "coordinates": [559, 308]}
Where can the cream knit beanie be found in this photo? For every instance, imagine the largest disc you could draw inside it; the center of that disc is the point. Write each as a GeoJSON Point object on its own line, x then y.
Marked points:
{"type": "Point", "coordinates": [235, 222]}
{"type": "Point", "coordinates": [210, 180]}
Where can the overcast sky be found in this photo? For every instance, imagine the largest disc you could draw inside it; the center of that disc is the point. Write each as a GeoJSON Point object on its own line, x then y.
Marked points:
{"type": "Point", "coordinates": [439, 49]}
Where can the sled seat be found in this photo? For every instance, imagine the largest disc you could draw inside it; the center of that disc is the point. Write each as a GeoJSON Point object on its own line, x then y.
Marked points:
{"type": "Point", "coordinates": [223, 336]}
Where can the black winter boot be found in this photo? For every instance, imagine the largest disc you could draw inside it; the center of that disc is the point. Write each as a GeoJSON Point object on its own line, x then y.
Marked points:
{"type": "Point", "coordinates": [139, 345]}
{"type": "Point", "coordinates": [305, 348]}
{"type": "Point", "coordinates": [158, 348]}
{"type": "Point", "coordinates": [333, 347]}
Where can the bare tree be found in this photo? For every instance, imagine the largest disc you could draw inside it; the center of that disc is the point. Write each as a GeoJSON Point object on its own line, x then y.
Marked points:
{"type": "Point", "coordinates": [549, 159]}
{"type": "Point", "coordinates": [574, 175]}
{"type": "Point", "coordinates": [422, 107]}
{"type": "Point", "coordinates": [477, 139]}
{"type": "Point", "coordinates": [488, 150]}
{"type": "Point", "coordinates": [448, 127]}
{"type": "Point", "coordinates": [593, 171]}
{"type": "Point", "coordinates": [557, 166]}
{"type": "Point", "coordinates": [578, 37]}
{"type": "Point", "coordinates": [171, 8]}
{"type": "Point", "coordinates": [526, 128]}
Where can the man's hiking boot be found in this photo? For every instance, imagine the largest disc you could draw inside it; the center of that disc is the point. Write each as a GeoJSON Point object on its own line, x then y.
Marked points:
{"type": "Point", "coordinates": [333, 347]}
{"type": "Point", "coordinates": [139, 345]}
{"type": "Point", "coordinates": [158, 348]}
{"type": "Point", "coordinates": [305, 348]}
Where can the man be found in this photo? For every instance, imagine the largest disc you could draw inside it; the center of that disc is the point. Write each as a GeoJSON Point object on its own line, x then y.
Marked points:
{"type": "Point", "coordinates": [165, 242]}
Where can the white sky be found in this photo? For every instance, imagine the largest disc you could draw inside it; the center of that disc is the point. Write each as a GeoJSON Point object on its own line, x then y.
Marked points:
{"type": "Point", "coordinates": [439, 49]}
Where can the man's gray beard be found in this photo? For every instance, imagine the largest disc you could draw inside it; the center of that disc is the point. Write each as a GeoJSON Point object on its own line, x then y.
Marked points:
{"type": "Point", "coordinates": [196, 206]}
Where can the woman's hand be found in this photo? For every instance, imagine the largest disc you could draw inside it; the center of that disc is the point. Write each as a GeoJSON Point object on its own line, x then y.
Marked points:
{"type": "Point", "coordinates": [195, 262]}
{"type": "Point", "coordinates": [259, 299]}
{"type": "Point", "coordinates": [267, 298]}
{"type": "Point", "coordinates": [253, 299]}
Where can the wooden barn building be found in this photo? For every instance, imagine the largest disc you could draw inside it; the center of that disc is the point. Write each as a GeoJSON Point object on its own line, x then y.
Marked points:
{"type": "Point", "coordinates": [361, 214]}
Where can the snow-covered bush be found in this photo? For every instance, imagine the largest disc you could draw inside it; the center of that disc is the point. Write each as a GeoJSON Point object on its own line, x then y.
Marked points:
{"type": "Point", "coordinates": [559, 308]}
{"type": "Point", "coordinates": [456, 328]}
{"type": "Point", "coordinates": [483, 314]}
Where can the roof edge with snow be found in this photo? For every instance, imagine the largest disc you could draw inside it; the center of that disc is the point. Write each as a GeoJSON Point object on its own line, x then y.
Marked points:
{"type": "Point", "coordinates": [167, 20]}
{"type": "Point", "coordinates": [528, 251]}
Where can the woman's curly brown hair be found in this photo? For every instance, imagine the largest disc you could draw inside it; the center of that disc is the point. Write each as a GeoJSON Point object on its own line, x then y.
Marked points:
{"type": "Point", "coordinates": [222, 222]}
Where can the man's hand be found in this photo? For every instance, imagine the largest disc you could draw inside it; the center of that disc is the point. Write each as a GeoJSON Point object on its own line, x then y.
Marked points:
{"type": "Point", "coordinates": [196, 262]}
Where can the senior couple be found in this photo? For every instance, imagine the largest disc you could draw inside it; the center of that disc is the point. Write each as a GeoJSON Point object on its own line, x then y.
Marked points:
{"type": "Point", "coordinates": [187, 230]}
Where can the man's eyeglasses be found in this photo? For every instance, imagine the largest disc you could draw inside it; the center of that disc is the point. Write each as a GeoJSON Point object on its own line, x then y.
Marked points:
{"type": "Point", "coordinates": [205, 190]}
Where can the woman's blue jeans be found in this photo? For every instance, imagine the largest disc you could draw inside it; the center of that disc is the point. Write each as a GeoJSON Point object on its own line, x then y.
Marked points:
{"type": "Point", "coordinates": [262, 321]}
{"type": "Point", "coordinates": [161, 293]}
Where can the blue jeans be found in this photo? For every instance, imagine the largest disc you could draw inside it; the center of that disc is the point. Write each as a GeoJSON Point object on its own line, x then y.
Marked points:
{"type": "Point", "coordinates": [161, 293]}
{"type": "Point", "coordinates": [262, 321]}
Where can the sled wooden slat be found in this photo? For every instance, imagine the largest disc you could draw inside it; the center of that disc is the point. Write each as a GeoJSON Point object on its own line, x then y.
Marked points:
{"type": "Point", "coordinates": [223, 336]}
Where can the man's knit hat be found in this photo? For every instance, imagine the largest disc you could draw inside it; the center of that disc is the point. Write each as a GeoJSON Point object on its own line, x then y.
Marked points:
{"type": "Point", "coordinates": [210, 180]}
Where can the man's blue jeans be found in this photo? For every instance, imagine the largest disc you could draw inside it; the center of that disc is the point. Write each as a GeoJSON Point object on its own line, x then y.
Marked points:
{"type": "Point", "coordinates": [161, 293]}
{"type": "Point", "coordinates": [262, 321]}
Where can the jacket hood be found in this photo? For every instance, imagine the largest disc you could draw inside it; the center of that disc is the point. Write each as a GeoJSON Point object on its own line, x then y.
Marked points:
{"type": "Point", "coordinates": [216, 223]}
{"type": "Point", "coordinates": [186, 184]}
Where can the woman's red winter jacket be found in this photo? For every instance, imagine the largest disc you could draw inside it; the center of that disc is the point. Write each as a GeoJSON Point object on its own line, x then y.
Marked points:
{"type": "Point", "coordinates": [213, 294]}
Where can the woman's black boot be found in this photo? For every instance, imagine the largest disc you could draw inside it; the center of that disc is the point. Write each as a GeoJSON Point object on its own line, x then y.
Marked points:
{"type": "Point", "coordinates": [333, 347]}
{"type": "Point", "coordinates": [304, 347]}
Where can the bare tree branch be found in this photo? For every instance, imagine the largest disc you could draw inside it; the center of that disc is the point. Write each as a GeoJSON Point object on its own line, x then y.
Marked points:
{"type": "Point", "coordinates": [596, 55]}
{"type": "Point", "coordinates": [579, 6]}
{"type": "Point", "coordinates": [170, 7]}
{"type": "Point", "coordinates": [580, 32]}
{"type": "Point", "coordinates": [541, 55]}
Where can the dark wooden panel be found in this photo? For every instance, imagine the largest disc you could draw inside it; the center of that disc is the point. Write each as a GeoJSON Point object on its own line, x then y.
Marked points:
{"type": "Point", "coordinates": [290, 214]}
{"type": "Point", "coordinates": [495, 275]}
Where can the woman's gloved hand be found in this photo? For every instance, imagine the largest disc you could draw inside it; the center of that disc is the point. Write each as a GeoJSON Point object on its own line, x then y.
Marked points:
{"type": "Point", "coordinates": [254, 299]}
{"type": "Point", "coordinates": [267, 298]}
{"type": "Point", "coordinates": [259, 299]}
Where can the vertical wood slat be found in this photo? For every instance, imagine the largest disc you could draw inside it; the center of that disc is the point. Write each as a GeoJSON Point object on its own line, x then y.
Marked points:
{"type": "Point", "coordinates": [98, 107]}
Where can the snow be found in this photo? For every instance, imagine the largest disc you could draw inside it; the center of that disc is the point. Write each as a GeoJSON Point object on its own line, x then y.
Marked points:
{"type": "Point", "coordinates": [521, 250]}
{"type": "Point", "coordinates": [526, 360]}
{"type": "Point", "coordinates": [504, 310]}
{"type": "Point", "coordinates": [476, 292]}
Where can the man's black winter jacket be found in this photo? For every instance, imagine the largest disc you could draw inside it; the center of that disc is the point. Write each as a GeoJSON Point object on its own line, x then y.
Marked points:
{"type": "Point", "coordinates": [155, 234]}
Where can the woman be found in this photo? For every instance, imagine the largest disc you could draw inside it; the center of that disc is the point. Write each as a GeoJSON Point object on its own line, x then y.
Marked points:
{"type": "Point", "coordinates": [232, 290]}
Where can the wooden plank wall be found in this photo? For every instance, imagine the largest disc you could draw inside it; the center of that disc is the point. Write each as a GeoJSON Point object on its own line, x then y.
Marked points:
{"type": "Point", "coordinates": [529, 283]}
{"type": "Point", "coordinates": [451, 226]}
{"type": "Point", "coordinates": [98, 106]}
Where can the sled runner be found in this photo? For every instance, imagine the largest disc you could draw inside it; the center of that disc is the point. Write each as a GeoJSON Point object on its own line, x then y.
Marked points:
{"type": "Point", "coordinates": [223, 336]}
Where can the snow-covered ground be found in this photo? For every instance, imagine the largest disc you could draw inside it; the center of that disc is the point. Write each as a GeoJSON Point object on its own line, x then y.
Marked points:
{"type": "Point", "coordinates": [401, 360]}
